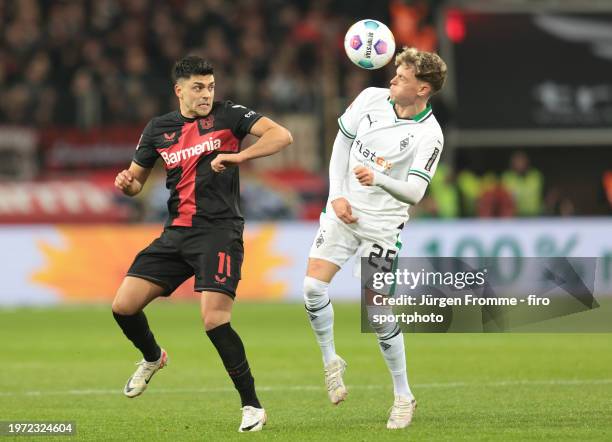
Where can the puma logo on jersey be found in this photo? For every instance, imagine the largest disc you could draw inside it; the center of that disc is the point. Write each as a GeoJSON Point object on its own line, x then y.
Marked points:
{"type": "Point", "coordinates": [372, 156]}
{"type": "Point", "coordinates": [370, 120]}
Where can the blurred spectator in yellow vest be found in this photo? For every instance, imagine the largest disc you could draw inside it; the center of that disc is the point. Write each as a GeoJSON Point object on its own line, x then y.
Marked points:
{"type": "Point", "coordinates": [470, 189]}
{"type": "Point", "coordinates": [525, 184]}
{"type": "Point", "coordinates": [444, 193]}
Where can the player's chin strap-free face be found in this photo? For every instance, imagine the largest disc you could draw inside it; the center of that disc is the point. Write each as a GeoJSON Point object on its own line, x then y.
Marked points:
{"type": "Point", "coordinates": [196, 94]}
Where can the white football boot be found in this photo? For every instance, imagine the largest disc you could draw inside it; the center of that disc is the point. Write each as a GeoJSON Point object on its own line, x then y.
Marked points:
{"type": "Point", "coordinates": [336, 390]}
{"type": "Point", "coordinates": [402, 412]}
{"type": "Point", "coordinates": [139, 381]}
{"type": "Point", "coordinates": [253, 419]}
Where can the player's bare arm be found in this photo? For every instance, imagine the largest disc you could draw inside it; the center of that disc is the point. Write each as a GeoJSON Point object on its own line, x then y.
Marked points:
{"type": "Point", "coordinates": [206, 210]}
{"type": "Point", "coordinates": [130, 181]}
{"type": "Point", "coordinates": [272, 139]}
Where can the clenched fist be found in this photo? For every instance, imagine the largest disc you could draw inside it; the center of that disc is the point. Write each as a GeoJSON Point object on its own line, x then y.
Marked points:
{"type": "Point", "coordinates": [364, 175]}
{"type": "Point", "coordinates": [125, 182]}
{"type": "Point", "coordinates": [224, 160]}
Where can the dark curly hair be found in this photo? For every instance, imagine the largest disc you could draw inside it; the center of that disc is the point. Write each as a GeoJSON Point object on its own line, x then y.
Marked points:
{"type": "Point", "coordinates": [191, 65]}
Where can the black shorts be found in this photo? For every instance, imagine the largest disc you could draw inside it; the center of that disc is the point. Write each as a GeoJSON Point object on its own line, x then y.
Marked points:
{"type": "Point", "coordinates": [213, 255]}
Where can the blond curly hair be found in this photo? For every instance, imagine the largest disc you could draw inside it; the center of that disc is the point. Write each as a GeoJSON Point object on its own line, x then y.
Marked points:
{"type": "Point", "coordinates": [428, 66]}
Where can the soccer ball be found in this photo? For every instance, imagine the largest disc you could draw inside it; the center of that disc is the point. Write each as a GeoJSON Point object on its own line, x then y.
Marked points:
{"type": "Point", "coordinates": [369, 44]}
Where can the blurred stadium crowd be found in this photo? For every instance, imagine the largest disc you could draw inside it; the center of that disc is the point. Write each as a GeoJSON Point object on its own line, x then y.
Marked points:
{"type": "Point", "coordinates": [79, 79]}
{"type": "Point", "coordinates": [103, 62]}
{"type": "Point", "coordinates": [87, 63]}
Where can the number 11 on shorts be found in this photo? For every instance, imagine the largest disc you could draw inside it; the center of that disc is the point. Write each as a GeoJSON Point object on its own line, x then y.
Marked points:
{"type": "Point", "coordinates": [225, 264]}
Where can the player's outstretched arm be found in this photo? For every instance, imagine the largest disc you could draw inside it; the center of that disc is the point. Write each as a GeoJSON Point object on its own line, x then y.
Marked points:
{"type": "Point", "coordinates": [338, 167]}
{"type": "Point", "coordinates": [130, 181]}
{"type": "Point", "coordinates": [410, 191]}
{"type": "Point", "coordinates": [272, 139]}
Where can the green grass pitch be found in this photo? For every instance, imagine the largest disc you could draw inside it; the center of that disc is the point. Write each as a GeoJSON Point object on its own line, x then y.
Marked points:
{"type": "Point", "coordinates": [70, 363]}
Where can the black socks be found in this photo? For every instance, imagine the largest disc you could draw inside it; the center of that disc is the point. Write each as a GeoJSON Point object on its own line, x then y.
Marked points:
{"type": "Point", "coordinates": [224, 338]}
{"type": "Point", "coordinates": [230, 348]}
{"type": "Point", "coordinates": [136, 328]}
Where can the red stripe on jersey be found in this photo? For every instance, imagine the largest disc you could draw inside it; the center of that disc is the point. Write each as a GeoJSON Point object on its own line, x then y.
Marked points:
{"type": "Point", "coordinates": [186, 185]}
{"type": "Point", "coordinates": [186, 153]}
{"type": "Point", "coordinates": [229, 143]}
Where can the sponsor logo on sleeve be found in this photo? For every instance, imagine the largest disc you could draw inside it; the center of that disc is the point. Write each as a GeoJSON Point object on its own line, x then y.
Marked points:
{"type": "Point", "coordinates": [432, 159]}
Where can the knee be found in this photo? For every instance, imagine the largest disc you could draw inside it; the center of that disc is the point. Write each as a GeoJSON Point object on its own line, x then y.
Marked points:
{"type": "Point", "coordinates": [120, 307]}
{"type": "Point", "coordinates": [383, 329]}
{"type": "Point", "coordinates": [215, 318]}
{"type": "Point", "coordinates": [386, 332]}
{"type": "Point", "coordinates": [210, 323]}
{"type": "Point", "coordinates": [315, 293]}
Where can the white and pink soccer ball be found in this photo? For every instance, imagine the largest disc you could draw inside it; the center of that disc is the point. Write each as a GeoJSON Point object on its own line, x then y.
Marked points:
{"type": "Point", "coordinates": [369, 44]}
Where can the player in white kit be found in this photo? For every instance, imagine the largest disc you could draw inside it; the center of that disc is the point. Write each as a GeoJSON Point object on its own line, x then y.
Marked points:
{"type": "Point", "coordinates": [384, 156]}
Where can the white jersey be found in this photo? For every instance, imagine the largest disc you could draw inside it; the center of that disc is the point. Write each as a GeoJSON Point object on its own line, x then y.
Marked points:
{"type": "Point", "coordinates": [397, 147]}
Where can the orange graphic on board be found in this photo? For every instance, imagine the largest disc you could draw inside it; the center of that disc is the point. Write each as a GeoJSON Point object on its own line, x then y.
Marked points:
{"type": "Point", "coordinates": [92, 261]}
{"type": "Point", "coordinates": [262, 266]}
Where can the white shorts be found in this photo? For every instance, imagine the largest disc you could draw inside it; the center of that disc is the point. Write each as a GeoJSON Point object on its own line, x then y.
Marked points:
{"type": "Point", "coordinates": [337, 242]}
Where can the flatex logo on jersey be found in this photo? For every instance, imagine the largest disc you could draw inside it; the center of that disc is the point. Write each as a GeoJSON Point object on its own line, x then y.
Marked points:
{"type": "Point", "coordinates": [372, 156]}
{"type": "Point", "coordinates": [208, 145]}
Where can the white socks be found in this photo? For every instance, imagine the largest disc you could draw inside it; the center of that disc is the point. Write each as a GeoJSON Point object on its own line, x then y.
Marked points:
{"type": "Point", "coordinates": [394, 354]}
{"type": "Point", "coordinates": [321, 315]}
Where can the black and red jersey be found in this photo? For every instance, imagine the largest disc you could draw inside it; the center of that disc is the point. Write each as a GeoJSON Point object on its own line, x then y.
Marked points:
{"type": "Point", "coordinates": [198, 195]}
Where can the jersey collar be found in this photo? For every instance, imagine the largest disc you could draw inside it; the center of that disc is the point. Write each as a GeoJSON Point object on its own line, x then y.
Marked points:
{"type": "Point", "coordinates": [184, 118]}
{"type": "Point", "coordinates": [191, 120]}
{"type": "Point", "coordinates": [421, 116]}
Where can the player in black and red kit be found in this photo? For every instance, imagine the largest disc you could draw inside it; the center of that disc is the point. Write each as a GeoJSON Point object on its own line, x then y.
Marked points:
{"type": "Point", "coordinates": [199, 144]}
